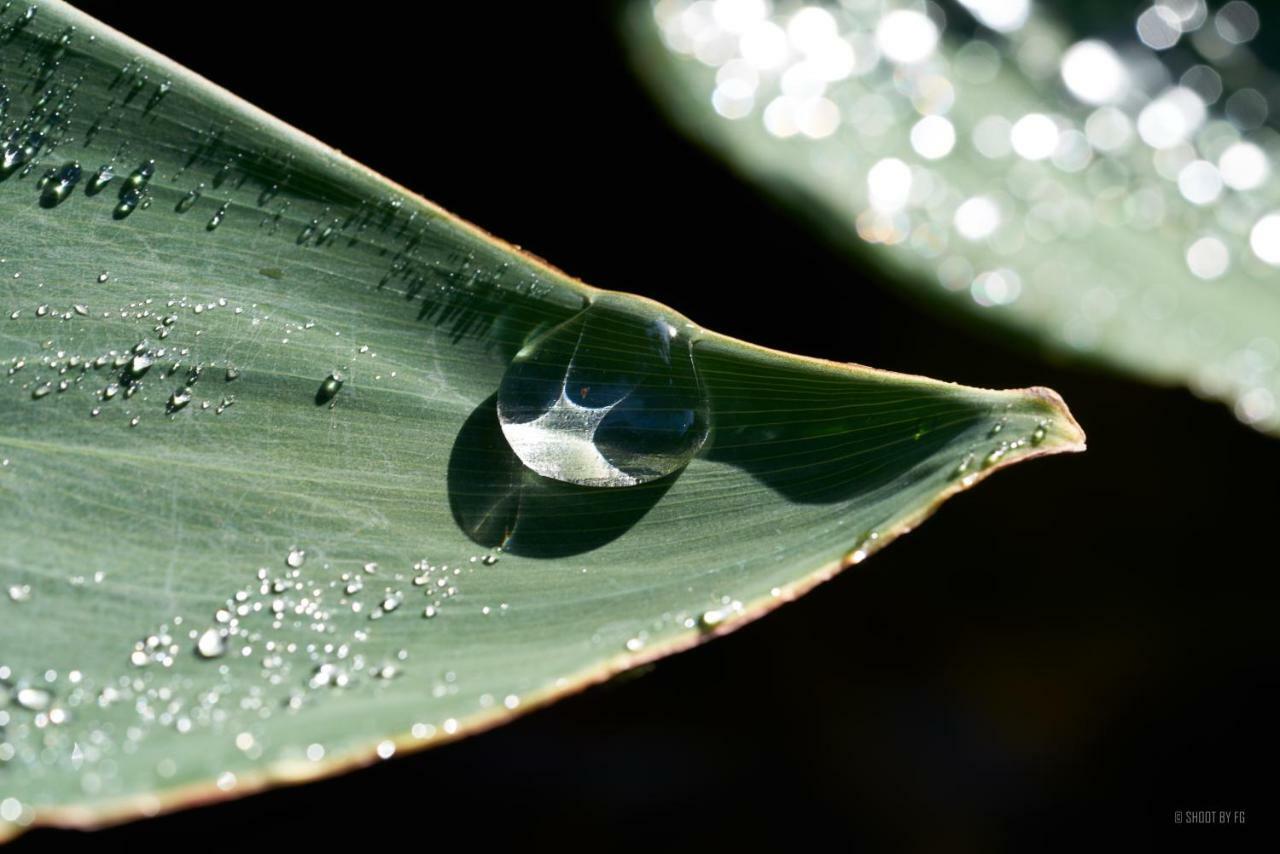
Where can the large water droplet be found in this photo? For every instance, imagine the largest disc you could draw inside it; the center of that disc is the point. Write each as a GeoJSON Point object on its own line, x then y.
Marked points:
{"type": "Point", "coordinates": [607, 398]}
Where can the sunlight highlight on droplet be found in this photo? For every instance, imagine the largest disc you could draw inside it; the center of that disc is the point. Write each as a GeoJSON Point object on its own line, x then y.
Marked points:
{"type": "Point", "coordinates": [1034, 136]}
{"type": "Point", "coordinates": [1093, 72]}
{"type": "Point", "coordinates": [889, 185]}
{"type": "Point", "coordinates": [1264, 239]}
{"type": "Point", "coordinates": [1171, 118]}
{"type": "Point", "coordinates": [995, 287]}
{"type": "Point", "coordinates": [906, 36]}
{"type": "Point", "coordinates": [1159, 27]}
{"type": "Point", "coordinates": [977, 218]}
{"type": "Point", "coordinates": [1108, 129]}
{"type": "Point", "coordinates": [1200, 182]}
{"type": "Point", "coordinates": [764, 45]}
{"type": "Point", "coordinates": [1244, 166]}
{"type": "Point", "coordinates": [1003, 16]}
{"type": "Point", "coordinates": [933, 137]}
{"type": "Point", "coordinates": [1208, 258]}
{"type": "Point", "coordinates": [738, 16]}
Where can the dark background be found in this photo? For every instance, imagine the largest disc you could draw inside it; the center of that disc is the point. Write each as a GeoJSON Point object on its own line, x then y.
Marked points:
{"type": "Point", "coordinates": [1062, 657]}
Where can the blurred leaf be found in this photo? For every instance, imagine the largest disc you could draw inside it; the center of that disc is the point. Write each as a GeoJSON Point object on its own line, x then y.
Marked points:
{"type": "Point", "coordinates": [976, 181]}
{"type": "Point", "coordinates": [260, 521]}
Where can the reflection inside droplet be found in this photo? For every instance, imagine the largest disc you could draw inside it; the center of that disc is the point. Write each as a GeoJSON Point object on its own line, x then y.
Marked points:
{"type": "Point", "coordinates": [607, 398]}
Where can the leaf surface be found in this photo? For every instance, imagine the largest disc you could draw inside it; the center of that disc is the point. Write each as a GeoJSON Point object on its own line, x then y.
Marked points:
{"type": "Point", "coordinates": [260, 522]}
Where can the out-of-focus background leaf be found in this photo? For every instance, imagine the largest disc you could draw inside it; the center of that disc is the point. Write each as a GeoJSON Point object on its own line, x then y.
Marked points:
{"type": "Point", "coordinates": [1104, 189]}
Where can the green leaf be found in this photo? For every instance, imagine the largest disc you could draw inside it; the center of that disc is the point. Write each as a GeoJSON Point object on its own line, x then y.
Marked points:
{"type": "Point", "coordinates": [260, 522]}
{"type": "Point", "coordinates": [1093, 252]}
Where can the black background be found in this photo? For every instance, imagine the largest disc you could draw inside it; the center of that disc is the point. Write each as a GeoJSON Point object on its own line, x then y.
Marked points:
{"type": "Point", "coordinates": [1065, 656]}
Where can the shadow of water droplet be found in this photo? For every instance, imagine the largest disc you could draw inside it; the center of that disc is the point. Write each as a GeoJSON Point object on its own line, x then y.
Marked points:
{"type": "Point", "coordinates": [497, 501]}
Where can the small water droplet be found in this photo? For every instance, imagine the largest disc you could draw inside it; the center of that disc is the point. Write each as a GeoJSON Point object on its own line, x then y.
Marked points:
{"type": "Point", "coordinates": [141, 176]}
{"type": "Point", "coordinates": [211, 644]}
{"type": "Point", "coordinates": [33, 699]}
{"type": "Point", "coordinates": [140, 364]}
{"type": "Point", "coordinates": [607, 398]}
{"type": "Point", "coordinates": [218, 216]}
{"type": "Point", "coordinates": [1038, 435]}
{"type": "Point", "coordinates": [193, 195]}
{"type": "Point", "coordinates": [101, 178]}
{"type": "Point", "coordinates": [295, 558]}
{"type": "Point", "coordinates": [61, 184]}
{"type": "Point", "coordinates": [329, 388]}
{"type": "Point", "coordinates": [180, 398]}
{"type": "Point", "coordinates": [41, 390]}
{"type": "Point", "coordinates": [128, 202]}
{"type": "Point", "coordinates": [711, 618]}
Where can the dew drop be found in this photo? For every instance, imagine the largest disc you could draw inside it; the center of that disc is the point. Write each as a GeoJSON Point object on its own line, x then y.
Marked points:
{"type": "Point", "coordinates": [211, 644]}
{"type": "Point", "coordinates": [60, 184]}
{"type": "Point", "coordinates": [218, 216]}
{"type": "Point", "coordinates": [186, 202]}
{"type": "Point", "coordinates": [101, 178]}
{"type": "Point", "coordinates": [295, 558]}
{"type": "Point", "coordinates": [712, 618]}
{"type": "Point", "coordinates": [180, 398]}
{"type": "Point", "coordinates": [33, 699]}
{"type": "Point", "coordinates": [140, 364]}
{"type": "Point", "coordinates": [140, 177]}
{"type": "Point", "coordinates": [128, 202]}
{"type": "Point", "coordinates": [605, 399]}
{"type": "Point", "coordinates": [329, 388]}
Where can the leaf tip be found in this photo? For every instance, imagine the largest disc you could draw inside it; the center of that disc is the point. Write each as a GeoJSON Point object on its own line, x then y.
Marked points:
{"type": "Point", "coordinates": [1067, 434]}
